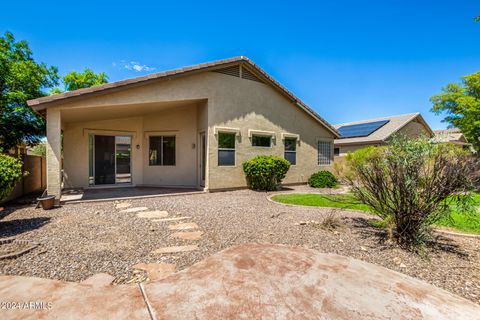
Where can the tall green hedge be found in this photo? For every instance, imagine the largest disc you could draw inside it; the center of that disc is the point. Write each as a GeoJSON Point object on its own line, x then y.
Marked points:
{"type": "Point", "coordinates": [265, 172]}
{"type": "Point", "coordinates": [10, 174]}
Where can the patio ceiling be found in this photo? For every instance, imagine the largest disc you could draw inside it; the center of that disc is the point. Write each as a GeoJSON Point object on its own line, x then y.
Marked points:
{"type": "Point", "coordinates": [72, 115]}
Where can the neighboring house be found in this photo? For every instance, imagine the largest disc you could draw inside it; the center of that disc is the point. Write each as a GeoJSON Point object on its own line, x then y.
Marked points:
{"type": "Point", "coordinates": [454, 136]}
{"type": "Point", "coordinates": [189, 127]}
{"type": "Point", "coordinates": [376, 132]}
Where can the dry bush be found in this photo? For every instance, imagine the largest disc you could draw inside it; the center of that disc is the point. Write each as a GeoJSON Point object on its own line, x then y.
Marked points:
{"type": "Point", "coordinates": [331, 220]}
{"type": "Point", "coordinates": [411, 184]}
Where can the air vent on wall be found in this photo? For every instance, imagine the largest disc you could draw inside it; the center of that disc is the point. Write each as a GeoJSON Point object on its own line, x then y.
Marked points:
{"type": "Point", "coordinates": [246, 74]}
{"type": "Point", "coordinates": [231, 71]}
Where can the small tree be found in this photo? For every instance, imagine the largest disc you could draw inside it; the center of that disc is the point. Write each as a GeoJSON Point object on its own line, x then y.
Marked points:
{"type": "Point", "coordinates": [265, 172]}
{"type": "Point", "coordinates": [411, 184]}
{"type": "Point", "coordinates": [10, 174]}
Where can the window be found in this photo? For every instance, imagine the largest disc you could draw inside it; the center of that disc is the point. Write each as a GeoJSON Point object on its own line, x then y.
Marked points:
{"type": "Point", "coordinates": [324, 153]}
{"type": "Point", "coordinates": [336, 151]}
{"type": "Point", "coordinates": [226, 149]}
{"type": "Point", "coordinates": [162, 151]}
{"type": "Point", "coordinates": [290, 150]}
{"type": "Point", "coordinates": [261, 141]}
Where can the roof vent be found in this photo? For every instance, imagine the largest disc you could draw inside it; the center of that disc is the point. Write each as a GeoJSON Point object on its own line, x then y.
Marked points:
{"type": "Point", "coordinates": [231, 71]}
{"type": "Point", "coordinates": [247, 74]}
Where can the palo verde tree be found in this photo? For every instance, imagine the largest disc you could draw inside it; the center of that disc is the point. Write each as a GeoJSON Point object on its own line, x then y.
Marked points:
{"type": "Point", "coordinates": [411, 184]}
{"type": "Point", "coordinates": [21, 78]}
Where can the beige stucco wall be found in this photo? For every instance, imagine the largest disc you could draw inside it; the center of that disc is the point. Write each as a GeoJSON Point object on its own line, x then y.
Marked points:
{"type": "Point", "coordinates": [217, 100]}
{"type": "Point", "coordinates": [344, 150]}
{"type": "Point", "coordinates": [249, 105]}
{"type": "Point", "coordinates": [414, 129]}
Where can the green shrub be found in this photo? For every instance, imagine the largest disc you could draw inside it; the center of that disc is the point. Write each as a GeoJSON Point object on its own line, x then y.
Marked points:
{"type": "Point", "coordinates": [322, 179]}
{"type": "Point", "coordinates": [10, 174]}
{"type": "Point", "coordinates": [265, 172]}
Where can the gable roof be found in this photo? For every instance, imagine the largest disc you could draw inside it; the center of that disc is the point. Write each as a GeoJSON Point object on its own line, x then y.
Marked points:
{"type": "Point", "coordinates": [450, 135]}
{"type": "Point", "coordinates": [43, 102]}
{"type": "Point", "coordinates": [394, 124]}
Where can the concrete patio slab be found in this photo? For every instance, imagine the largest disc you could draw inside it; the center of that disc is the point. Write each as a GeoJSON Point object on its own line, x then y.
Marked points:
{"type": "Point", "coordinates": [176, 249]}
{"type": "Point", "coordinates": [156, 271]}
{"type": "Point", "coordinates": [99, 280]}
{"type": "Point", "coordinates": [52, 299]}
{"type": "Point", "coordinates": [194, 235]}
{"type": "Point", "coordinates": [122, 193]}
{"type": "Point", "coordinates": [251, 281]}
{"type": "Point", "coordinates": [183, 226]}
{"type": "Point", "coordinates": [263, 281]}
{"type": "Point", "coordinates": [156, 214]}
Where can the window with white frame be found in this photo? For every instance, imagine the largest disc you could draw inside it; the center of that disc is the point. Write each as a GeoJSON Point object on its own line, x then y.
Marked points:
{"type": "Point", "coordinates": [290, 153]}
{"type": "Point", "coordinates": [161, 151]}
{"type": "Point", "coordinates": [324, 153]}
{"type": "Point", "coordinates": [226, 149]}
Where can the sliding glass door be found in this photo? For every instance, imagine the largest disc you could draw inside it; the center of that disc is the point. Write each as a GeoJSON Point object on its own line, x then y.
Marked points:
{"type": "Point", "coordinates": [110, 159]}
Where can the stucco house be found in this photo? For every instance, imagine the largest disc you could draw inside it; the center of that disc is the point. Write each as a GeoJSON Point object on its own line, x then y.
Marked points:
{"type": "Point", "coordinates": [376, 132]}
{"type": "Point", "coordinates": [188, 127]}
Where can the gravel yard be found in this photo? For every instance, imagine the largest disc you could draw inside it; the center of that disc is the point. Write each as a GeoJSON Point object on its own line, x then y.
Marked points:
{"type": "Point", "coordinates": [79, 240]}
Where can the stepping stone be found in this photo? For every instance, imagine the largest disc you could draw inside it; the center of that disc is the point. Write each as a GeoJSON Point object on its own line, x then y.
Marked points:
{"type": "Point", "coordinates": [156, 271]}
{"type": "Point", "coordinates": [183, 226]}
{"type": "Point", "coordinates": [135, 209]}
{"type": "Point", "coordinates": [99, 280]}
{"type": "Point", "coordinates": [176, 249]}
{"type": "Point", "coordinates": [172, 219]}
{"type": "Point", "coordinates": [123, 205]}
{"type": "Point", "coordinates": [156, 214]}
{"type": "Point", "coordinates": [194, 235]}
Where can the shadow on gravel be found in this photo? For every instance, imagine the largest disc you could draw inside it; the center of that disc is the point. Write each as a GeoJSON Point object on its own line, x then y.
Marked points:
{"type": "Point", "coordinates": [439, 244]}
{"type": "Point", "coordinates": [15, 227]}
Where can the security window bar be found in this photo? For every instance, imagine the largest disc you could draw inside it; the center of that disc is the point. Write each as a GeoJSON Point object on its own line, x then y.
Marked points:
{"type": "Point", "coordinates": [261, 141]}
{"type": "Point", "coordinates": [324, 153]}
{"type": "Point", "coordinates": [290, 153]}
{"type": "Point", "coordinates": [162, 151]}
{"type": "Point", "coordinates": [226, 149]}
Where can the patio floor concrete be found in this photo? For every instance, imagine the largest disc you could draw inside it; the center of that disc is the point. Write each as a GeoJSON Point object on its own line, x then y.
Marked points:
{"type": "Point", "coordinates": [251, 281]}
{"type": "Point", "coordinates": [100, 194]}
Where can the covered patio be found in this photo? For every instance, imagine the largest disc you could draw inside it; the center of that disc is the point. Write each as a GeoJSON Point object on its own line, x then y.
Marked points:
{"type": "Point", "coordinates": [109, 194]}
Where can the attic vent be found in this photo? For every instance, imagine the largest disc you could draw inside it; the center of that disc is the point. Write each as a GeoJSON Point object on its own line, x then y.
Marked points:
{"type": "Point", "coordinates": [231, 71]}
{"type": "Point", "coordinates": [246, 74]}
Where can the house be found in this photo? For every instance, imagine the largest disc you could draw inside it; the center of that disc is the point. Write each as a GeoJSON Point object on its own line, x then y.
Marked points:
{"type": "Point", "coordinates": [188, 127]}
{"type": "Point", "coordinates": [376, 132]}
{"type": "Point", "coordinates": [453, 136]}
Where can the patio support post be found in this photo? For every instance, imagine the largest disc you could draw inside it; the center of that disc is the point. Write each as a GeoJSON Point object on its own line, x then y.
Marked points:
{"type": "Point", "coordinates": [54, 152]}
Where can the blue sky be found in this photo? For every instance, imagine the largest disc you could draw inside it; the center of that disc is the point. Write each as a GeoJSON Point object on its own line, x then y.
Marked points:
{"type": "Point", "coordinates": [349, 60]}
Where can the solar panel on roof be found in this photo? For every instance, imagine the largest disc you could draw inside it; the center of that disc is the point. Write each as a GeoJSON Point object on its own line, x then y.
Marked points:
{"type": "Point", "coordinates": [361, 129]}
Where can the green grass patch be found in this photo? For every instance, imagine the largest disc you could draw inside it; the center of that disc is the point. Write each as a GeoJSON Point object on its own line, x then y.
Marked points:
{"type": "Point", "coordinates": [341, 201]}
{"type": "Point", "coordinates": [461, 221]}
{"type": "Point", "coordinates": [464, 221]}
